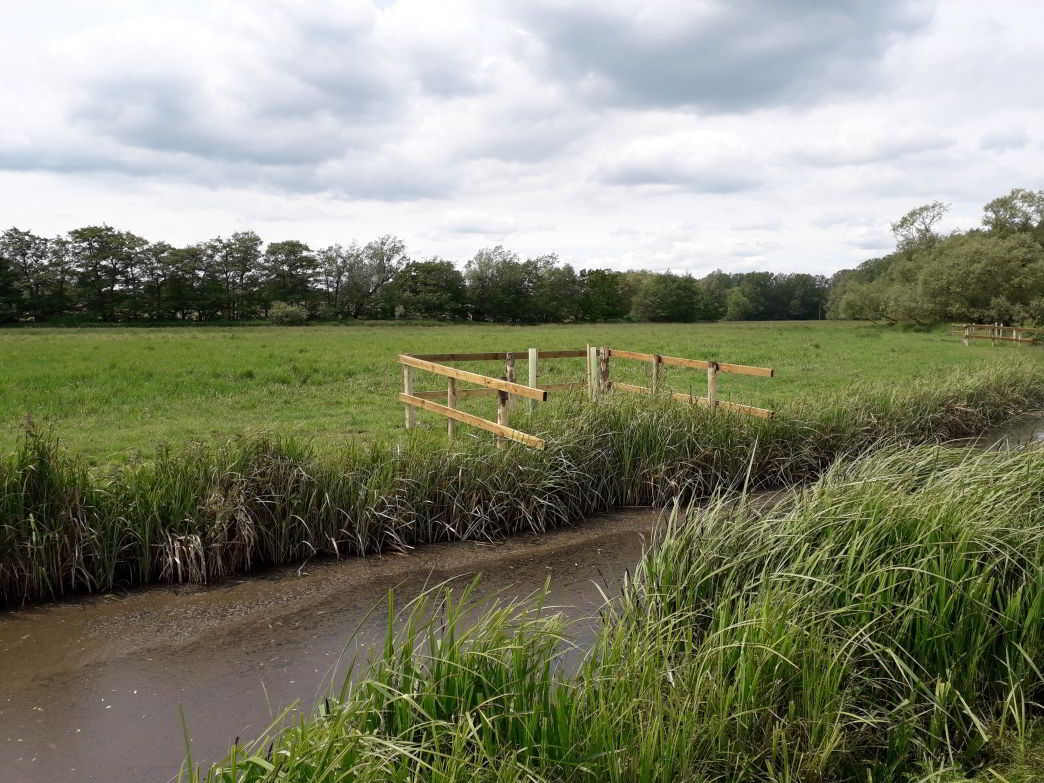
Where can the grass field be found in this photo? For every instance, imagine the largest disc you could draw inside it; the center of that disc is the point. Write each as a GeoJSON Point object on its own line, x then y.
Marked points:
{"type": "Point", "coordinates": [110, 393]}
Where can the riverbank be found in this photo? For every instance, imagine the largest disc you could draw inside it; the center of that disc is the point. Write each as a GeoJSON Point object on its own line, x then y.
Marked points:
{"type": "Point", "coordinates": [212, 512]}
{"type": "Point", "coordinates": [886, 623]}
{"type": "Point", "coordinates": [89, 683]}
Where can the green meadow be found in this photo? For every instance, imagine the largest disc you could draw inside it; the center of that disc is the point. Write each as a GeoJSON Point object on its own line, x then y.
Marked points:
{"type": "Point", "coordinates": [112, 393]}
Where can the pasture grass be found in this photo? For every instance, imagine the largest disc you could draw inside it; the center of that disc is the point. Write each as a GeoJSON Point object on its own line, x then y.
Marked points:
{"type": "Point", "coordinates": [116, 394]}
{"type": "Point", "coordinates": [206, 511]}
{"type": "Point", "coordinates": [884, 624]}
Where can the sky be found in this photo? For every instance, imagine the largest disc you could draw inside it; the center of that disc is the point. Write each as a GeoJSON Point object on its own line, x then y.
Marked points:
{"type": "Point", "coordinates": [683, 135]}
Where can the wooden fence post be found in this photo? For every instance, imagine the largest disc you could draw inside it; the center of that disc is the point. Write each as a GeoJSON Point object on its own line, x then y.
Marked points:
{"type": "Point", "coordinates": [451, 402]}
{"type": "Point", "coordinates": [407, 387]}
{"type": "Point", "coordinates": [965, 340]}
{"type": "Point", "coordinates": [993, 335]}
{"type": "Point", "coordinates": [502, 411]}
{"type": "Point", "coordinates": [509, 375]}
{"type": "Point", "coordinates": [591, 353]}
{"type": "Point", "coordinates": [533, 356]}
{"type": "Point", "coordinates": [656, 374]}
{"type": "Point", "coordinates": [603, 370]}
{"type": "Point", "coordinates": [712, 384]}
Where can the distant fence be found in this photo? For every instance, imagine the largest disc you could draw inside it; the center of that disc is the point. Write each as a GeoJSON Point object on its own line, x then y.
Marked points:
{"type": "Point", "coordinates": [995, 333]}
{"type": "Point", "coordinates": [506, 387]}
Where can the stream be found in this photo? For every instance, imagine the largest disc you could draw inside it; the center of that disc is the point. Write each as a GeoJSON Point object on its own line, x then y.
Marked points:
{"type": "Point", "coordinates": [91, 687]}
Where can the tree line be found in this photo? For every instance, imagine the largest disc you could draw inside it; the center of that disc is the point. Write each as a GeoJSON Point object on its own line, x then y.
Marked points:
{"type": "Point", "coordinates": [102, 274]}
{"type": "Point", "coordinates": [991, 273]}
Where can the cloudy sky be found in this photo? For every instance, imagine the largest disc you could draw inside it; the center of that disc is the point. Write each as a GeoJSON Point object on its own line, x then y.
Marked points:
{"type": "Point", "coordinates": [664, 134]}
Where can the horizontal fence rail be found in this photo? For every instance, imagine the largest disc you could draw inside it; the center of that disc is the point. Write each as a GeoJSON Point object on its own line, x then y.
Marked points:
{"type": "Point", "coordinates": [506, 389]}
{"type": "Point", "coordinates": [995, 332]}
{"type": "Point", "coordinates": [694, 364]}
{"type": "Point", "coordinates": [473, 377]}
{"type": "Point", "coordinates": [475, 421]}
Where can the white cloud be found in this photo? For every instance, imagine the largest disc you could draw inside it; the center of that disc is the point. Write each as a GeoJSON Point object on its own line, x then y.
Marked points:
{"type": "Point", "coordinates": [675, 134]}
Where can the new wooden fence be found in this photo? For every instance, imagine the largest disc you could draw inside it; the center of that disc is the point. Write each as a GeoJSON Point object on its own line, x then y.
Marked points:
{"type": "Point", "coordinates": [996, 332]}
{"type": "Point", "coordinates": [506, 388]}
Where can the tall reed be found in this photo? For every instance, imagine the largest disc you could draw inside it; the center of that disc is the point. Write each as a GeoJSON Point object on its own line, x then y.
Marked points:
{"type": "Point", "coordinates": [885, 624]}
{"type": "Point", "coordinates": [208, 510]}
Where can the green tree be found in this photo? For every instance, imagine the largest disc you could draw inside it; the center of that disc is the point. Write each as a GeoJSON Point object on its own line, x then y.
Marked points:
{"type": "Point", "coordinates": [916, 229]}
{"type": "Point", "coordinates": [602, 295]}
{"type": "Point", "coordinates": [666, 297]}
{"type": "Point", "coordinates": [104, 260]}
{"type": "Point", "coordinates": [1019, 210]}
{"type": "Point", "coordinates": [738, 306]}
{"type": "Point", "coordinates": [289, 268]}
{"type": "Point", "coordinates": [433, 289]}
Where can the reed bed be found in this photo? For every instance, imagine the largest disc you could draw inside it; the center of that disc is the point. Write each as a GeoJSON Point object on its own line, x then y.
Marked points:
{"type": "Point", "coordinates": [207, 511]}
{"type": "Point", "coordinates": [884, 624]}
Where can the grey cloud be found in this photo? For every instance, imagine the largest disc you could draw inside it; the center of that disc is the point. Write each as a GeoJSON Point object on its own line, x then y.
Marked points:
{"type": "Point", "coordinates": [1010, 138]}
{"type": "Point", "coordinates": [719, 56]}
{"type": "Point", "coordinates": [862, 148]}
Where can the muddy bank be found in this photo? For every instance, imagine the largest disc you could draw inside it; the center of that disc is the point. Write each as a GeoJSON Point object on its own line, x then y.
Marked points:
{"type": "Point", "coordinates": [90, 689]}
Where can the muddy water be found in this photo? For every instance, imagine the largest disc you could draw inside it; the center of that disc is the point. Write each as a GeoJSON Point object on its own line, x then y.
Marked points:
{"type": "Point", "coordinates": [1026, 431]}
{"type": "Point", "coordinates": [89, 690]}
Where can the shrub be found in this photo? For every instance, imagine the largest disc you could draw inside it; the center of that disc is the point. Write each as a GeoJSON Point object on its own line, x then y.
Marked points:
{"type": "Point", "coordinates": [286, 314]}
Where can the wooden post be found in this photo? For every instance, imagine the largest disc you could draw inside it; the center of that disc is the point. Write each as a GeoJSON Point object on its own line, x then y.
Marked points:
{"type": "Point", "coordinates": [509, 374]}
{"type": "Point", "coordinates": [532, 375]}
{"type": "Point", "coordinates": [451, 402]}
{"type": "Point", "coordinates": [603, 370]}
{"type": "Point", "coordinates": [656, 375]}
{"type": "Point", "coordinates": [993, 335]}
{"type": "Point", "coordinates": [591, 354]}
{"type": "Point", "coordinates": [965, 341]}
{"type": "Point", "coordinates": [712, 384]}
{"type": "Point", "coordinates": [502, 411]}
{"type": "Point", "coordinates": [407, 387]}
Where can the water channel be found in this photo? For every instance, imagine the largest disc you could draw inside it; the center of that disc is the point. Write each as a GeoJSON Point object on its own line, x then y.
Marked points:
{"type": "Point", "coordinates": [90, 688]}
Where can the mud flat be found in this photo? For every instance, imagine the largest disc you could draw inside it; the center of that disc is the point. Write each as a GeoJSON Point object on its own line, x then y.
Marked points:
{"type": "Point", "coordinates": [91, 688]}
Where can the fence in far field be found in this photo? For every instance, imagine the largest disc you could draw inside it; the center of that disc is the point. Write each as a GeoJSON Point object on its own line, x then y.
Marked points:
{"type": "Point", "coordinates": [506, 388]}
{"type": "Point", "coordinates": [995, 333]}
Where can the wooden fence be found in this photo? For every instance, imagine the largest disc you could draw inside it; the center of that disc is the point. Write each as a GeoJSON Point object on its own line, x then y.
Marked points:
{"type": "Point", "coordinates": [995, 333]}
{"type": "Point", "coordinates": [506, 388]}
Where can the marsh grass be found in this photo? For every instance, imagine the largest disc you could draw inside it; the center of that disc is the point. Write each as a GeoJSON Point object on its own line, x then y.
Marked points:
{"type": "Point", "coordinates": [210, 510]}
{"type": "Point", "coordinates": [883, 624]}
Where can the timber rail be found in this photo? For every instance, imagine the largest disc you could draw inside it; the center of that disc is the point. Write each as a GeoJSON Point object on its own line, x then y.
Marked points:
{"type": "Point", "coordinates": [507, 388]}
{"type": "Point", "coordinates": [996, 332]}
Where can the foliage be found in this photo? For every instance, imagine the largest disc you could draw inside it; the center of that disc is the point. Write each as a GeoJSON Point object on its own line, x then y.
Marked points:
{"type": "Point", "coordinates": [287, 314]}
{"type": "Point", "coordinates": [101, 274]}
{"type": "Point", "coordinates": [995, 274]}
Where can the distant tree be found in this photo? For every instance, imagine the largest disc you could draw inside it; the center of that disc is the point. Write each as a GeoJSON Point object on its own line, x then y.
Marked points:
{"type": "Point", "coordinates": [916, 229]}
{"type": "Point", "coordinates": [666, 297]}
{"type": "Point", "coordinates": [370, 271]}
{"type": "Point", "coordinates": [553, 290]}
{"type": "Point", "coordinates": [104, 259]}
{"type": "Point", "coordinates": [497, 285]}
{"type": "Point", "coordinates": [715, 288]}
{"type": "Point", "coordinates": [982, 277]}
{"type": "Point", "coordinates": [738, 306]}
{"type": "Point", "coordinates": [236, 261]}
{"type": "Point", "coordinates": [289, 268]}
{"type": "Point", "coordinates": [336, 264]}
{"type": "Point", "coordinates": [602, 295]}
{"type": "Point", "coordinates": [24, 266]}
{"type": "Point", "coordinates": [1019, 210]}
{"type": "Point", "coordinates": [433, 289]}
